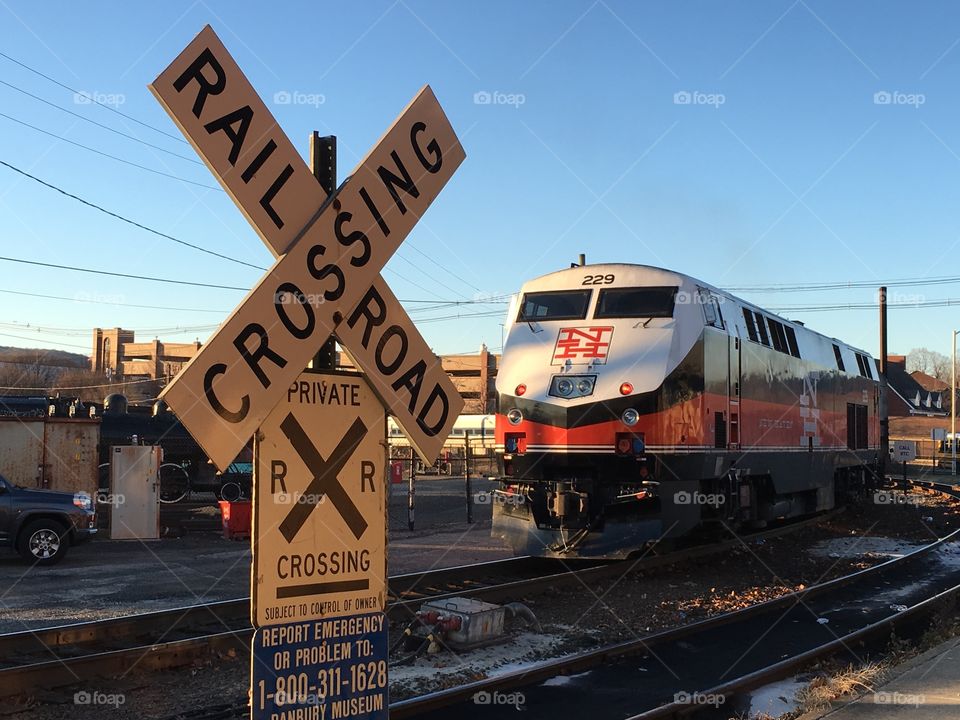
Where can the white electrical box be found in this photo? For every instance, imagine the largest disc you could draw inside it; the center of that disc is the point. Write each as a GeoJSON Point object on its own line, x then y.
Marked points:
{"type": "Point", "coordinates": [134, 500]}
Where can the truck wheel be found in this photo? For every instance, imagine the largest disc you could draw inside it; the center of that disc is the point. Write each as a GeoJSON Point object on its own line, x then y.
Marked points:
{"type": "Point", "coordinates": [44, 542]}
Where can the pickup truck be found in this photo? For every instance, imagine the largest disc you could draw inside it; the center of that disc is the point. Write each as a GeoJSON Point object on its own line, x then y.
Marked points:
{"type": "Point", "coordinates": [42, 524]}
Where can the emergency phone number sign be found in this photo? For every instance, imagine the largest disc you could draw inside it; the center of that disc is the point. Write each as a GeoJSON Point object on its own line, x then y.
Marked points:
{"type": "Point", "coordinates": [319, 670]}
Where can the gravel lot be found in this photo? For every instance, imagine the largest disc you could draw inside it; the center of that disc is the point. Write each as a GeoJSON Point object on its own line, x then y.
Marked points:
{"type": "Point", "coordinates": [107, 578]}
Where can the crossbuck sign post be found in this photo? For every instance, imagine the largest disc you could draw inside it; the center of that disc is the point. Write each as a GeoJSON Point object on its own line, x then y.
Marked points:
{"type": "Point", "coordinates": [319, 541]}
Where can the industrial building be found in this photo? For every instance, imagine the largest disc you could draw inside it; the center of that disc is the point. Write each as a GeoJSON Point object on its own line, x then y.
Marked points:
{"type": "Point", "coordinates": [118, 356]}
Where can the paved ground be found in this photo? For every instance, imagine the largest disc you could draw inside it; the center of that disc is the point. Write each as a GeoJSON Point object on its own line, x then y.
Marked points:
{"type": "Point", "coordinates": [107, 577]}
{"type": "Point", "coordinates": [927, 689]}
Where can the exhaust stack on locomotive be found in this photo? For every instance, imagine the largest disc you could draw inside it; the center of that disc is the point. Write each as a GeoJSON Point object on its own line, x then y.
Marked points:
{"type": "Point", "coordinates": [638, 405]}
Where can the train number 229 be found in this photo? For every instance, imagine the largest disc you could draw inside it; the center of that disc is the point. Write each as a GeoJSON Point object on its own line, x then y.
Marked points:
{"type": "Point", "coordinates": [597, 280]}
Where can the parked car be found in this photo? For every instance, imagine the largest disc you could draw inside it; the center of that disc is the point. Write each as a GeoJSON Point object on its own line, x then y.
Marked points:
{"type": "Point", "coordinates": [42, 524]}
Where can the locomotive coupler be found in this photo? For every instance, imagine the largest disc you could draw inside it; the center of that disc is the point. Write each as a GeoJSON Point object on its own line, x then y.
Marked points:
{"type": "Point", "coordinates": [565, 503]}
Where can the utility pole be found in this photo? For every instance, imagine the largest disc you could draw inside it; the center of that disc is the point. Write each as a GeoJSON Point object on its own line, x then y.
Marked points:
{"type": "Point", "coordinates": [883, 412]}
{"type": "Point", "coordinates": [323, 165]}
{"type": "Point", "coordinates": [953, 404]}
{"type": "Point", "coordinates": [411, 490]}
{"type": "Point", "coordinates": [466, 472]}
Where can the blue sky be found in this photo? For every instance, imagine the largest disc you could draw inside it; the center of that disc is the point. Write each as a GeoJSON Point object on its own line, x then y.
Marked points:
{"type": "Point", "coordinates": [747, 144]}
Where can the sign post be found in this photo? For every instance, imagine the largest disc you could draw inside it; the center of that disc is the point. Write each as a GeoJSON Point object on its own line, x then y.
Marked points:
{"type": "Point", "coordinates": [318, 575]}
{"type": "Point", "coordinates": [904, 451]}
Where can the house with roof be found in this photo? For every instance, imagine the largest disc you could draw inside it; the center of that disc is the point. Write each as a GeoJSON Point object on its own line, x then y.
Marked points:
{"type": "Point", "coordinates": [911, 395]}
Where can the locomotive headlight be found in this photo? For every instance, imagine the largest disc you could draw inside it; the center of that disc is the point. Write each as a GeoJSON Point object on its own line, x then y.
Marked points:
{"type": "Point", "coordinates": [630, 417]}
{"type": "Point", "coordinates": [570, 387]}
{"type": "Point", "coordinates": [514, 417]}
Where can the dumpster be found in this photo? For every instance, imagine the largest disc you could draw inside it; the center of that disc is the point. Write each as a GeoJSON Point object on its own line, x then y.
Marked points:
{"type": "Point", "coordinates": [236, 515]}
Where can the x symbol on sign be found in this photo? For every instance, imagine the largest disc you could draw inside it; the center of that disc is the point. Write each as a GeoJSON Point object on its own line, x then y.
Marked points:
{"type": "Point", "coordinates": [325, 480]}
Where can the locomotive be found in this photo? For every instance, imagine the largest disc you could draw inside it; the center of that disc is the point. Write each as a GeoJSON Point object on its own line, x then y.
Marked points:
{"type": "Point", "coordinates": [640, 406]}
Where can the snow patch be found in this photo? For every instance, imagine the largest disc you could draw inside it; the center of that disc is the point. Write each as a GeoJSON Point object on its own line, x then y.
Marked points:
{"type": "Point", "coordinates": [515, 653]}
{"type": "Point", "coordinates": [856, 547]}
{"type": "Point", "coordinates": [775, 699]}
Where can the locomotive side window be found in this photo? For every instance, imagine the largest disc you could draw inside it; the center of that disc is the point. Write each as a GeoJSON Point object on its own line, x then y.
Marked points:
{"type": "Point", "coordinates": [642, 302]}
{"type": "Point", "coordinates": [836, 354]}
{"type": "Point", "coordinates": [711, 308]}
{"type": "Point", "coordinates": [762, 328]}
{"type": "Point", "coordinates": [777, 336]}
{"type": "Point", "coordinates": [751, 325]}
{"type": "Point", "coordinates": [792, 340]}
{"type": "Point", "coordinates": [860, 363]}
{"type": "Point", "coordinates": [554, 305]}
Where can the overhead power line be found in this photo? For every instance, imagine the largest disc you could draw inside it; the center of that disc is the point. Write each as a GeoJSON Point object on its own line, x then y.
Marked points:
{"type": "Point", "coordinates": [109, 302]}
{"type": "Point", "coordinates": [484, 313]}
{"type": "Point", "coordinates": [85, 331]}
{"type": "Point", "coordinates": [432, 304]}
{"type": "Point", "coordinates": [850, 285]}
{"type": "Point", "coordinates": [108, 155]}
{"type": "Point", "coordinates": [115, 111]}
{"type": "Point", "coordinates": [79, 387]}
{"type": "Point", "coordinates": [93, 100]}
{"type": "Point", "coordinates": [944, 302]}
{"type": "Point", "coordinates": [123, 275]}
{"type": "Point", "coordinates": [85, 119]}
{"type": "Point", "coordinates": [52, 342]}
{"type": "Point", "coordinates": [128, 220]}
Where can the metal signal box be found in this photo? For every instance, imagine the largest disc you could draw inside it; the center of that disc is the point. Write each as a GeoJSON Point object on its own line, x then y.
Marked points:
{"type": "Point", "coordinates": [480, 622]}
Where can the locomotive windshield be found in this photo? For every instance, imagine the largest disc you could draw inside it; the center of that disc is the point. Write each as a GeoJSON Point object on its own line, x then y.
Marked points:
{"type": "Point", "coordinates": [640, 302]}
{"type": "Point", "coordinates": [554, 305]}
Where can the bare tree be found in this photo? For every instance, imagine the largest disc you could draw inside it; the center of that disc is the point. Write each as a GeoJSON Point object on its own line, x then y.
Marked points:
{"type": "Point", "coordinates": [930, 362]}
{"type": "Point", "coordinates": [25, 379]}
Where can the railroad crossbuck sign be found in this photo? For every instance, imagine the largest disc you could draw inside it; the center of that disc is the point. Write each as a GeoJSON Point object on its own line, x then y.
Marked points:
{"type": "Point", "coordinates": [326, 277]}
{"type": "Point", "coordinates": [319, 508]}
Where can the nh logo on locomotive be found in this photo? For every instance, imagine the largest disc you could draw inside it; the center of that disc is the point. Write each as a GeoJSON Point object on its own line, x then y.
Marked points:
{"type": "Point", "coordinates": [583, 344]}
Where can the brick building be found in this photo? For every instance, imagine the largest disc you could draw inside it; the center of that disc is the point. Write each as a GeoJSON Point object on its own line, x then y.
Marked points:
{"type": "Point", "coordinates": [908, 396]}
{"type": "Point", "coordinates": [117, 356]}
{"type": "Point", "coordinates": [474, 376]}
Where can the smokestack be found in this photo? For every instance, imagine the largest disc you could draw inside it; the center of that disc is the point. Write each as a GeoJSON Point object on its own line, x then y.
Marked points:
{"type": "Point", "coordinates": [582, 259]}
{"type": "Point", "coordinates": [883, 331]}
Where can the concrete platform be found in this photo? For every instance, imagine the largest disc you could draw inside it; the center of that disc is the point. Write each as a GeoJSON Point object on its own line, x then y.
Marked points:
{"type": "Point", "coordinates": [925, 688]}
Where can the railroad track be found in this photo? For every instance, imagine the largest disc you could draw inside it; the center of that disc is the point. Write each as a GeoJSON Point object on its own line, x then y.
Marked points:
{"type": "Point", "coordinates": [67, 654]}
{"type": "Point", "coordinates": [727, 655]}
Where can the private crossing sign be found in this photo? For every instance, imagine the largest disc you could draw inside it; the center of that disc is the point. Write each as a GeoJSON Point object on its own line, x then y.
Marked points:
{"type": "Point", "coordinates": [330, 252]}
{"type": "Point", "coordinates": [319, 508]}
